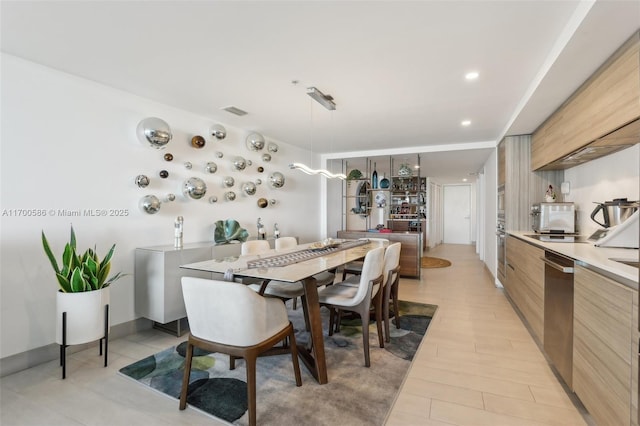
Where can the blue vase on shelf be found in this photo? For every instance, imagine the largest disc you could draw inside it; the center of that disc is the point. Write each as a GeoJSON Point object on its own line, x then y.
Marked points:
{"type": "Point", "coordinates": [384, 182]}
{"type": "Point", "coordinates": [374, 178]}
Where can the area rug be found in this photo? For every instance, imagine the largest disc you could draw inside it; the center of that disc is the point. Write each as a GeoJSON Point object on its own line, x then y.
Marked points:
{"type": "Point", "coordinates": [434, 262]}
{"type": "Point", "coordinates": [355, 394]}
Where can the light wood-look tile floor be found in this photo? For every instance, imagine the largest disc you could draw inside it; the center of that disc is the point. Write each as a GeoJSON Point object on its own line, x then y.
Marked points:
{"type": "Point", "coordinates": [478, 365]}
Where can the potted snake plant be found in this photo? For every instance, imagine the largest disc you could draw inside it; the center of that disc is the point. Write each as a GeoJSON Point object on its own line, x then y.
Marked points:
{"type": "Point", "coordinates": [83, 291]}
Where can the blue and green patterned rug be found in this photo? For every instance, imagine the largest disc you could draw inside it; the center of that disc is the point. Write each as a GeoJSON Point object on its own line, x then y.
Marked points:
{"type": "Point", "coordinates": [355, 394]}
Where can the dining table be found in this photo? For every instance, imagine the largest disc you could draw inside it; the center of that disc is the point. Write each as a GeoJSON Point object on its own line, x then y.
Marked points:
{"type": "Point", "coordinates": [298, 264]}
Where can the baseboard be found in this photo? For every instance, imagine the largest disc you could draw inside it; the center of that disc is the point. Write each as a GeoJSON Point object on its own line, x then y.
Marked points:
{"type": "Point", "coordinates": [22, 361]}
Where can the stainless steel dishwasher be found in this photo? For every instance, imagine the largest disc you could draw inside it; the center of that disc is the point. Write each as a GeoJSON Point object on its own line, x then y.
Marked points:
{"type": "Point", "coordinates": [558, 313]}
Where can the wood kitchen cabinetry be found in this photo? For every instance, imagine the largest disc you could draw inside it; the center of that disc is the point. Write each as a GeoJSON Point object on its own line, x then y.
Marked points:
{"type": "Point", "coordinates": [525, 282]}
{"type": "Point", "coordinates": [522, 188]}
{"type": "Point", "coordinates": [605, 348]}
{"type": "Point", "coordinates": [608, 100]}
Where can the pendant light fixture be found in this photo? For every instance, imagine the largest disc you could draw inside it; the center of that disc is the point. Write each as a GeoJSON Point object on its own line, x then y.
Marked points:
{"type": "Point", "coordinates": [327, 102]}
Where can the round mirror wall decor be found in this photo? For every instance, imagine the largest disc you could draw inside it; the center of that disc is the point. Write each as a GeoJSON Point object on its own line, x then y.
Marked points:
{"type": "Point", "coordinates": [276, 180]}
{"type": "Point", "coordinates": [239, 163]}
{"type": "Point", "coordinates": [255, 142]}
{"type": "Point", "coordinates": [228, 182]}
{"type": "Point", "coordinates": [272, 147]}
{"type": "Point", "coordinates": [230, 195]}
{"type": "Point", "coordinates": [219, 154]}
{"type": "Point", "coordinates": [211, 167]}
{"type": "Point", "coordinates": [198, 142]}
{"type": "Point", "coordinates": [142, 181]}
{"type": "Point", "coordinates": [188, 165]}
{"type": "Point", "coordinates": [262, 203]}
{"type": "Point", "coordinates": [218, 131]}
{"type": "Point", "coordinates": [260, 169]}
{"type": "Point", "coordinates": [150, 204]}
{"type": "Point", "coordinates": [154, 132]}
{"type": "Point", "coordinates": [249, 188]}
{"type": "Point", "coordinates": [266, 157]}
{"type": "Point", "coordinates": [213, 199]}
{"type": "Point", "coordinates": [168, 156]}
{"type": "Point", "coordinates": [164, 174]}
{"type": "Point", "coordinates": [272, 202]}
{"type": "Point", "coordinates": [194, 187]}
{"type": "Point", "coordinates": [169, 198]}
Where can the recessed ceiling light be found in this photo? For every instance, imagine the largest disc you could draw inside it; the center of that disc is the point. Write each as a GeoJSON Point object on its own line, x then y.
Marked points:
{"type": "Point", "coordinates": [464, 180]}
{"type": "Point", "coordinates": [471, 75]}
{"type": "Point", "coordinates": [466, 123]}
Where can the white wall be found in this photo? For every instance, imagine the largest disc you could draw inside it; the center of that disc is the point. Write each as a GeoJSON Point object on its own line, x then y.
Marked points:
{"type": "Point", "coordinates": [69, 143]}
{"type": "Point", "coordinates": [490, 199]}
{"type": "Point", "coordinates": [614, 176]}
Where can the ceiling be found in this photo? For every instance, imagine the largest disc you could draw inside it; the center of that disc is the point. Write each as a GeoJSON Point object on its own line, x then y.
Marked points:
{"type": "Point", "coordinates": [395, 69]}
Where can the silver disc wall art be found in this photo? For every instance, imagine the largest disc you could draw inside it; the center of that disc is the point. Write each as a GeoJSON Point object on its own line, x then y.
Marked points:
{"type": "Point", "coordinates": [218, 131]}
{"type": "Point", "coordinates": [154, 132]}
{"type": "Point", "coordinates": [276, 180]}
{"type": "Point", "coordinates": [150, 204]}
{"type": "Point", "coordinates": [194, 187]}
{"type": "Point", "coordinates": [255, 142]}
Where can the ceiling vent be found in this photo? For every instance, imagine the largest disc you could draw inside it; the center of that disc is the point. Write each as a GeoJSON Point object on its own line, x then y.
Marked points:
{"type": "Point", "coordinates": [234, 110]}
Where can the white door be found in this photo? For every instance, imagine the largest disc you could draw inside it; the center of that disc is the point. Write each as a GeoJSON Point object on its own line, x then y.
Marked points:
{"type": "Point", "coordinates": [457, 214]}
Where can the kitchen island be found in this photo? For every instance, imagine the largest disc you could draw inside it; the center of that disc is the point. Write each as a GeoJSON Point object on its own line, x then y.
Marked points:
{"type": "Point", "coordinates": [410, 252]}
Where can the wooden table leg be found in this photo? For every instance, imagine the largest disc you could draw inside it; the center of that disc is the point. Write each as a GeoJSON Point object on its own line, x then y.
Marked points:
{"type": "Point", "coordinates": [314, 358]}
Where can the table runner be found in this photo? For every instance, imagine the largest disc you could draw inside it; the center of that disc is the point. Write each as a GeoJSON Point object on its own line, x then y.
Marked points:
{"type": "Point", "coordinates": [301, 255]}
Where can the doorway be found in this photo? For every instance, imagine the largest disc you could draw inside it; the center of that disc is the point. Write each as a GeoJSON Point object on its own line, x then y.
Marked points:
{"type": "Point", "coordinates": [457, 214]}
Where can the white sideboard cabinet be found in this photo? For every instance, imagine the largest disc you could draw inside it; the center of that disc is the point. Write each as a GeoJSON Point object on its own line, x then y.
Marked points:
{"type": "Point", "coordinates": [158, 290]}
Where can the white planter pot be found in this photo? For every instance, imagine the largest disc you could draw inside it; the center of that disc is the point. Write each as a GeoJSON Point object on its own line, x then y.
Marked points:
{"type": "Point", "coordinates": [85, 315]}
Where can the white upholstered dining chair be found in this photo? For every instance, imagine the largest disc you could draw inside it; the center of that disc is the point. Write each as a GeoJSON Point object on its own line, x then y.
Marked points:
{"type": "Point", "coordinates": [229, 318]}
{"type": "Point", "coordinates": [355, 267]}
{"type": "Point", "coordinates": [390, 283]}
{"type": "Point", "coordinates": [280, 289]}
{"type": "Point", "coordinates": [254, 247]}
{"type": "Point", "coordinates": [358, 298]}
{"type": "Point", "coordinates": [293, 290]}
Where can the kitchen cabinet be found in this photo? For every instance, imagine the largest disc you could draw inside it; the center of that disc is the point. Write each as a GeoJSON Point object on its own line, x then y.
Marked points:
{"type": "Point", "coordinates": [605, 345]}
{"type": "Point", "coordinates": [410, 251]}
{"type": "Point", "coordinates": [523, 187]}
{"type": "Point", "coordinates": [525, 282]}
{"type": "Point", "coordinates": [608, 100]}
{"type": "Point", "coordinates": [157, 278]}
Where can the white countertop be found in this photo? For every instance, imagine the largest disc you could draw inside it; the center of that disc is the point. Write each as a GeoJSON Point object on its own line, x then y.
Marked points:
{"type": "Point", "coordinates": [598, 257]}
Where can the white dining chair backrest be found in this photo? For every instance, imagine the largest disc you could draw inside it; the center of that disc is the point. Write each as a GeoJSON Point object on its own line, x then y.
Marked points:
{"type": "Point", "coordinates": [371, 269]}
{"type": "Point", "coordinates": [391, 260]}
{"type": "Point", "coordinates": [254, 247]}
{"type": "Point", "coordinates": [284, 243]}
{"type": "Point", "coordinates": [231, 313]}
